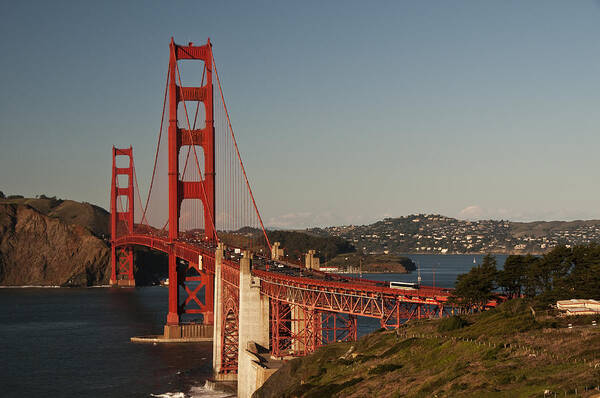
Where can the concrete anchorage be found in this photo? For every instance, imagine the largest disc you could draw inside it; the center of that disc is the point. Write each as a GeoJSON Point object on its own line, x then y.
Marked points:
{"type": "Point", "coordinates": [254, 363]}
{"type": "Point", "coordinates": [312, 262]}
{"type": "Point", "coordinates": [276, 252]}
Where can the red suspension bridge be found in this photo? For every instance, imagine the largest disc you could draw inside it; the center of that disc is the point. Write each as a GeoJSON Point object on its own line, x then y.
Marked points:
{"type": "Point", "coordinates": [224, 273]}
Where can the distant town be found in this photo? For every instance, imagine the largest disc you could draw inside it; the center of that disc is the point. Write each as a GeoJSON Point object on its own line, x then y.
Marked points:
{"type": "Point", "coordinates": [437, 234]}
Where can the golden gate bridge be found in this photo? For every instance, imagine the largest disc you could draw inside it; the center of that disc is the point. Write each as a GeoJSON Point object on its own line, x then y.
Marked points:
{"type": "Point", "coordinates": [226, 279]}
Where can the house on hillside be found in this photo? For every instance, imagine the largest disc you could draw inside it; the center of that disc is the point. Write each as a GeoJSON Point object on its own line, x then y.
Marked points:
{"type": "Point", "coordinates": [579, 307]}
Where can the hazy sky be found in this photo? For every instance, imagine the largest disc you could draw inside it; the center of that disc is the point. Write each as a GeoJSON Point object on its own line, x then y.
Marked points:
{"type": "Point", "coordinates": [353, 110]}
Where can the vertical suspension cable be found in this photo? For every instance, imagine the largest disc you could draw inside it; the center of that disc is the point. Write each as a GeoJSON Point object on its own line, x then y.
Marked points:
{"type": "Point", "coordinates": [137, 189]}
{"type": "Point", "coordinates": [162, 119]}
{"type": "Point", "coordinates": [237, 150]}
{"type": "Point", "coordinates": [120, 208]}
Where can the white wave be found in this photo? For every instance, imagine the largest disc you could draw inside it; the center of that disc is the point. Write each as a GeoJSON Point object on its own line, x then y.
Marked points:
{"type": "Point", "coordinates": [207, 390]}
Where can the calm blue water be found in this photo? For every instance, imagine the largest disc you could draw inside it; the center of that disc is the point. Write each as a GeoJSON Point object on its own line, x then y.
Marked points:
{"type": "Point", "coordinates": [75, 342]}
{"type": "Point", "coordinates": [436, 270]}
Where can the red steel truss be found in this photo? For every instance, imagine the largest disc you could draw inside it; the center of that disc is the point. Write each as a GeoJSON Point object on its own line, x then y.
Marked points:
{"type": "Point", "coordinates": [391, 306]}
{"type": "Point", "coordinates": [297, 330]}
{"type": "Point", "coordinates": [337, 327]}
{"type": "Point", "coordinates": [230, 274]}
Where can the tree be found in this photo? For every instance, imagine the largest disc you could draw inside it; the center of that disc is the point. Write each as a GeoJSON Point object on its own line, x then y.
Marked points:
{"type": "Point", "coordinates": [562, 273]}
{"type": "Point", "coordinates": [584, 279]}
{"type": "Point", "coordinates": [546, 275]}
{"type": "Point", "coordinates": [512, 277]}
{"type": "Point", "coordinates": [476, 286]}
{"type": "Point", "coordinates": [530, 270]}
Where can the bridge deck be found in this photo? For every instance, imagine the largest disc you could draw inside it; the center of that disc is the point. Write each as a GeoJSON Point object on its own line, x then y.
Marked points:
{"type": "Point", "coordinates": [292, 283]}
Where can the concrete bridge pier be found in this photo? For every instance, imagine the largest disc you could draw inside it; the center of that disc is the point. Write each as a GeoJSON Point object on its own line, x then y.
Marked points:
{"type": "Point", "coordinates": [253, 331]}
{"type": "Point", "coordinates": [277, 251]}
{"type": "Point", "coordinates": [218, 318]}
{"type": "Point", "coordinates": [299, 328]}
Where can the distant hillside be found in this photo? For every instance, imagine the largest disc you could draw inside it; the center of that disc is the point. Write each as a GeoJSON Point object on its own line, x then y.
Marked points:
{"type": "Point", "coordinates": [48, 241]}
{"type": "Point", "coordinates": [89, 216]}
{"type": "Point", "coordinates": [538, 229]}
{"type": "Point", "coordinates": [437, 234]}
{"type": "Point", "coordinates": [297, 244]}
{"type": "Point", "coordinates": [294, 243]}
{"type": "Point", "coordinates": [359, 262]}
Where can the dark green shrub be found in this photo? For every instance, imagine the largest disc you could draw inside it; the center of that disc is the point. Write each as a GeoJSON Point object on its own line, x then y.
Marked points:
{"type": "Point", "coordinates": [385, 368]}
{"type": "Point", "coordinates": [453, 323]}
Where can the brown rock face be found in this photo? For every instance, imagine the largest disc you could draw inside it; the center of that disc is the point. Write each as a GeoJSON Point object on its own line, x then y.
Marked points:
{"type": "Point", "coordinates": [44, 250]}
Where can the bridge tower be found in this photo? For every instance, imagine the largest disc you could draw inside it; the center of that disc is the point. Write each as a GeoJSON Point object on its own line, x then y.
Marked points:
{"type": "Point", "coordinates": [121, 220]}
{"type": "Point", "coordinates": [180, 190]}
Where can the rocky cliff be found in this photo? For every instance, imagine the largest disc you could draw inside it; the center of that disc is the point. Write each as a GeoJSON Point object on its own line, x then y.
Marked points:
{"type": "Point", "coordinates": [50, 242]}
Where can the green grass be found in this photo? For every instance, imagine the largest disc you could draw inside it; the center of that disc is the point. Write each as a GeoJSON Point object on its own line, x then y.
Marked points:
{"type": "Point", "coordinates": [467, 361]}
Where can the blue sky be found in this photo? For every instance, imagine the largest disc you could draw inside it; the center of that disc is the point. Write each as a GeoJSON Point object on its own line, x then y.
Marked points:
{"type": "Point", "coordinates": [354, 110]}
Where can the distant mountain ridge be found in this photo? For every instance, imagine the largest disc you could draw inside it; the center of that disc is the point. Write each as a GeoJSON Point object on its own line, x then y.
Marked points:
{"type": "Point", "coordinates": [438, 234]}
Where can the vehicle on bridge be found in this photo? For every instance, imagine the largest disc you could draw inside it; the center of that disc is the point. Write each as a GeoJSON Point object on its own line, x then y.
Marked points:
{"type": "Point", "coordinates": [404, 285]}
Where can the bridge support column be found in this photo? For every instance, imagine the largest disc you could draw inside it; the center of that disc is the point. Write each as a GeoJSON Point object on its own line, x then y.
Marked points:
{"type": "Point", "coordinates": [209, 299]}
{"type": "Point", "coordinates": [253, 327]}
{"type": "Point", "coordinates": [276, 251]}
{"type": "Point", "coordinates": [299, 329]}
{"type": "Point", "coordinates": [113, 266]}
{"type": "Point", "coordinates": [122, 266]}
{"type": "Point", "coordinates": [312, 262]}
{"type": "Point", "coordinates": [172, 328]}
{"type": "Point", "coordinates": [218, 314]}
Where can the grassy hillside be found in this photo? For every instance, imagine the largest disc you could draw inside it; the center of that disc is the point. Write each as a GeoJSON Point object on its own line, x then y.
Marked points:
{"type": "Point", "coordinates": [505, 352]}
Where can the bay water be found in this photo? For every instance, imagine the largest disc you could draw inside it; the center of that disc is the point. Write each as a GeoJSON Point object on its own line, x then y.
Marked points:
{"type": "Point", "coordinates": [66, 342]}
